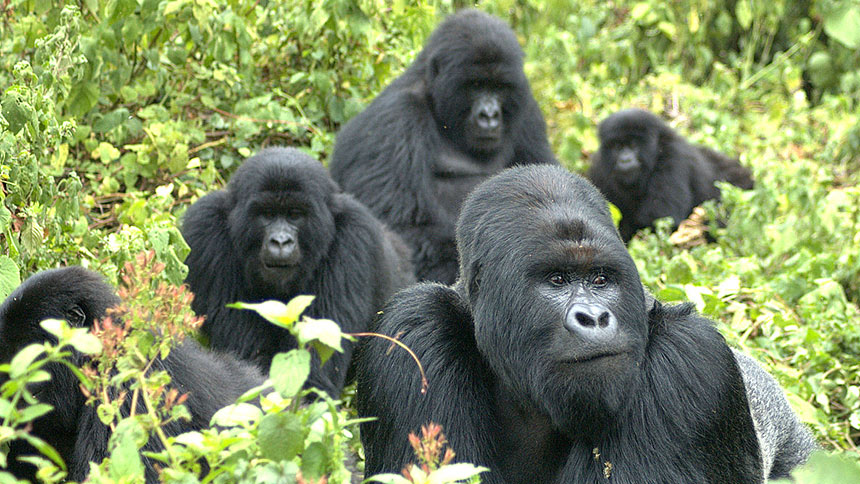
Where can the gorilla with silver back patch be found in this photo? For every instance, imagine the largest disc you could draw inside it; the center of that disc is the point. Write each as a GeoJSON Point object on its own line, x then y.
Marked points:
{"type": "Point", "coordinates": [547, 362]}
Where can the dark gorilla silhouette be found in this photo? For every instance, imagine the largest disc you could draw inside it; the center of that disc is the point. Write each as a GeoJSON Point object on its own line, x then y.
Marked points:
{"type": "Point", "coordinates": [279, 229]}
{"type": "Point", "coordinates": [546, 362]}
{"type": "Point", "coordinates": [649, 171]}
{"type": "Point", "coordinates": [462, 112]}
{"type": "Point", "coordinates": [73, 428]}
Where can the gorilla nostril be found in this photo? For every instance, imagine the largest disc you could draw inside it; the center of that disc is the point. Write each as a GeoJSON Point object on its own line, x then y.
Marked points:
{"type": "Point", "coordinates": [603, 320]}
{"type": "Point", "coordinates": [585, 320]}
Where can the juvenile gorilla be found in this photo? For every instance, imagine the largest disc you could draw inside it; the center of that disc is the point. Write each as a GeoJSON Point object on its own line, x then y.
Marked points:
{"type": "Point", "coordinates": [282, 228]}
{"type": "Point", "coordinates": [73, 428]}
{"type": "Point", "coordinates": [649, 171]}
{"type": "Point", "coordinates": [462, 112]}
{"type": "Point", "coordinates": [546, 362]}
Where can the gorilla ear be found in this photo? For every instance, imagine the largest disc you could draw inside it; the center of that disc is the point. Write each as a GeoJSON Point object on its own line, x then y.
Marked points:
{"type": "Point", "coordinates": [434, 68]}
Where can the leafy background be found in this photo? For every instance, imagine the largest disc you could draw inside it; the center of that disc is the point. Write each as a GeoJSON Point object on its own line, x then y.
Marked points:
{"type": "Point", "coordinates": [115, 115]}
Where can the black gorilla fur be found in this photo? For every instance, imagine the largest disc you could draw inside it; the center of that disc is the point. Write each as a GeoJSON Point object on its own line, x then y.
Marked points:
{"type": "Point", "coordinates": [462, 112]}
{"type": "Point", "coordinates": [649, 171]}
{"type": "Point", "coordinates": [546, 362]}
{"type": "Point", "coordinates": [282, 228]}
{"type": "Point", "coordinates": [79, 296]}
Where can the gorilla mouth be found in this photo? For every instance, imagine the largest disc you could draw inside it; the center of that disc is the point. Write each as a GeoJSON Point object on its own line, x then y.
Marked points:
{"type": "Point", "coordinates": [278, 264]}
{"type": "Point", "coordinates": [597, 356]}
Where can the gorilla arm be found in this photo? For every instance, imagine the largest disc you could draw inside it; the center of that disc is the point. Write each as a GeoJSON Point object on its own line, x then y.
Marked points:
{"type": "Point", "coordinates": [434, 322]}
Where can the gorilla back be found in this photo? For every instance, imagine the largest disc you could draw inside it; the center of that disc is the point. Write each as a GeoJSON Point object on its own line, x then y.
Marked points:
{"type": "Point", "coordinates": [462, 112]}
{"type": "Point", "coordinates": [546, 362]}
{"type": "Point", "coordinates": [282, 228]}
{"type": "Point", "coordinates": [73, 428]}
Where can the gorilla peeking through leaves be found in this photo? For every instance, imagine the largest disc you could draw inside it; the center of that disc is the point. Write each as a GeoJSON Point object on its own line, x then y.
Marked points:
{"type": "Point", "coordinates": [279, 229]}
{"type": "Point", "coordinates": [547, 362]}
{"type": "Point", "coordinates": [649, 171]}
{"type": "Point", "coordinates": [462, 112]}
{"type": "Point", "coordinates": [73, 428]}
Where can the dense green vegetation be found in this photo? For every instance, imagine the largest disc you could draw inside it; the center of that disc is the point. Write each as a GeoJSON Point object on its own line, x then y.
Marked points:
{"type": "Point", "coordinates": [115, 115]}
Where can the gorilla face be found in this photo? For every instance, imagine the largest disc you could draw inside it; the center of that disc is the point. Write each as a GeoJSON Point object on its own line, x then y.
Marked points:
{"type": "Point", "coordinates": [475, 80]}
{"type": "Point", "coordinates": [629, 146]}
{"type": "Point", "coordinates": [280, 221]}
{"type": "Point", "coordinates": [557, 301]}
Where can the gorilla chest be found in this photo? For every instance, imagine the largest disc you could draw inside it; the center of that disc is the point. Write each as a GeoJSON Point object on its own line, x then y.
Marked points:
{"type": "Point", "coordinates": [456, 174]}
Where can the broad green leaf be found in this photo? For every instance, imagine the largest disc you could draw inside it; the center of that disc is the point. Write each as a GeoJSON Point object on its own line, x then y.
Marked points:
{"type": "Point", "coordinates": [14, 111]}
{"type": "Point", "coordinates": [290, 371]}
{"type": "Point", "coordinates": [454, 473]}
{"type": "Point", "coordinates": [314, 460]}
{"type": "Point", "coordinates": [276, 312]}
{"type": "Point", "coordinates": [9, 275]}
{"type": "Point", "coordinates": [111, 120]}
{"type": "Point", "coordinates": [325, 331]}
{"type": "Point", "coordinates": [85, 342]}
{"type": "Point", "coordinates": [743, 12]}
{"type": "Point", "coordinates": [236, 415]}
{"type": "Point", "coordinates": [280, 436]}
{"type": "Point", "coordinates": [125, 463]}
{"type": "Point", "coordinates": [389, 479]}
{"type": "Point", "coordinates": [45, 449]}
{"type": "Point", "coordinates": [83, 97]}
{"type": "Point", "coordinates": [843, 24]}
{"type": "Point", "coordinates": [33, 412]}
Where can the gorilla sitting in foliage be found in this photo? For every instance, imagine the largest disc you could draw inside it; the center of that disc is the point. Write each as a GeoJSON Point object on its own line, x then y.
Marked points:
{"type": "Point", "coordinates": [649, 171]}
{"type": "Point", "coordinates": [73, 428]}
{"type": "Point", "coordinates": [462, 112]}
{"type": "Point", "coordinates": [547, 362]}
{"type": "Point", "coordinates": [282, 228]}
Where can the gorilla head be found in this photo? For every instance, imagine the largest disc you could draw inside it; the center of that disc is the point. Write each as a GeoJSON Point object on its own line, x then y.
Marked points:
{"type": "Point", "coordinates": [556, 299]}
{"type": "Point", "coordinates": [630, 141]}
{"type": "Point", "coordinates": [473, 69]}
{"type": "Point", "coordinates": [280, 219]}
{"type": "Point", "coordinates": [74, 294]}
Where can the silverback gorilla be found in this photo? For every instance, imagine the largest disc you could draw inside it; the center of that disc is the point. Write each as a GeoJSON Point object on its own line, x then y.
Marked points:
{"type": "Point", "coordinates": [649, 171]}
{"type": "Point", "coordinates": [282, 228]}
{"type": "Point", "coordinates": [73, 428]}
{"type": "Point", "coordinates": [547, 362]}
{"type": "Point", "coordinates": [462, 112]}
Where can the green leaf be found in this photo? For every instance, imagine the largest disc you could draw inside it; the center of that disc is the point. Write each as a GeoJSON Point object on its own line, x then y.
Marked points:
{"type": "Point", "coordinates": [9, 276]}
{"type": "Point", "coordinates": [389, 479]}
{"type": "Point", "coordinates": [33, 412]}
{"type": "Point", "coordinates": [325, 331]}
{"type": "Point", "coordinates": [119, 9]}
{"type": "Point", "coordinates": [111, 120]}
{"type": "Point", "coordinates": [14, 112]}
{"type": "Point", "coordinates": [290, 371]}
{"type": "Point", "coordinates": [280, 436]}
{"type": "Point", "coordinates": [843, 24]}
{"type": "Point", "coordinates": [85, 342]}
{"type": "Point", "coordinates": [236, 415]}
{"type": "Point", "coordinates": [125, 463]}
{"type": "Point", "coordinates": [83, 97]}
{"type": "Point", "coordinates": [454, 473]}
{"type": "Point", "coordinates": [743, 12]}
{"type": "Point", "coordinates": [276, 312]}
{"type": "Point", "coordinates": [45, 449]}
{"type": "Point", "coordinates": [314, 461]}
{"type": "Point", "coordinates": [21, 362]}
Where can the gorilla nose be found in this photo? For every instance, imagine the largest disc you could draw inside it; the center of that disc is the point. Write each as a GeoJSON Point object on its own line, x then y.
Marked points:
{"type": "Point", "coordinates": [280, 246]}
{"type": "Point", "coordinates": [592, 322]}
{"type": "Point", "coordinates": [489, 116]}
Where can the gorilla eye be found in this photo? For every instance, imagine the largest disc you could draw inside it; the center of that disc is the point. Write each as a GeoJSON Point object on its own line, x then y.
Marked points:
{"type": "Point", "coordinates": [557, 279]}
{"type": "Point", "coordinates": [75, 316]}
{"type": "Point", "coordinates": [600, 280]}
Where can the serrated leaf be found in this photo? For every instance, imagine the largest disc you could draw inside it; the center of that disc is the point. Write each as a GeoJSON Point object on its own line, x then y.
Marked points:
{"type": "Point", "coordinates": [85, 342]}
{"type": "Point", "coordinates": [125, 463]}
{"type": "Point", "coordinates": [280, 436]}
{"type": "Point", "coordinates": [10, 276]}
{"type": "Point", "coordinates": [33, 412]}
{"type": "Point", "coordinates": [290, 371]}
{"type": "Point", "coordinates": [14, 112]}
{"type": "Point", "coordinates": [32, 235]}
